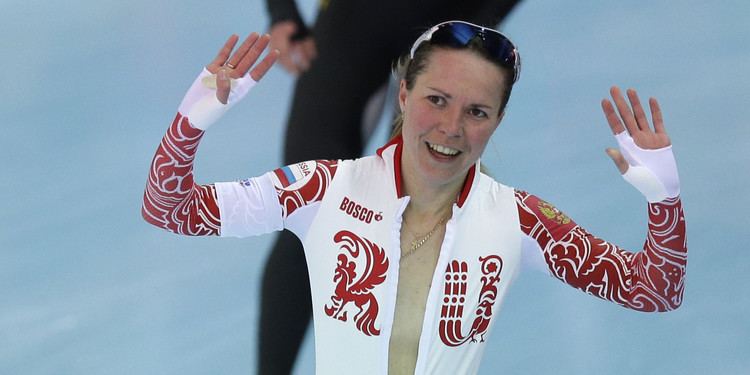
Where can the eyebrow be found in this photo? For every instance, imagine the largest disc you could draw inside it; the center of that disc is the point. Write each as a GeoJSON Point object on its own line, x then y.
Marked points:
{"type": "Point", "coordinates": [449, 96]}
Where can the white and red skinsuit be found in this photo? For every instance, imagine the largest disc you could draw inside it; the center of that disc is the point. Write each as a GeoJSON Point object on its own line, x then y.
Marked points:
{"type": "Point", "coordinates": [348, 216]}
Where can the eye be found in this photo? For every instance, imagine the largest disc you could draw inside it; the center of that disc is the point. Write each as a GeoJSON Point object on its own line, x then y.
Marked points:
{"type": "Point", "coordinates": [478, 113]}
{"type": "Point", "coordinates": [437, 100]}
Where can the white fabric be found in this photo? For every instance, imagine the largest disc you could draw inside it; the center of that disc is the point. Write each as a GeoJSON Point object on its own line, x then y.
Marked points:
{"type": "Point", "coordinates": [652, 172]}
{"type": "Point", "coordinates": [532, 256]}
{"type": "Point", "coordinates": [200, 104]}
{"type": "Point", "coordinates": [248, 207]}
{"type": "Point", "coordinates": [486, 225]}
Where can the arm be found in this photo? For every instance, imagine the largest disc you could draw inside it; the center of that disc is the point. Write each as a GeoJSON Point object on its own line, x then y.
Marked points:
{"type": "Point", "coordinates": [650, 280]}
{"type": "Point", "coordinates": [288, 195]}
{"type": "Point", "coordinates": [172, 200]}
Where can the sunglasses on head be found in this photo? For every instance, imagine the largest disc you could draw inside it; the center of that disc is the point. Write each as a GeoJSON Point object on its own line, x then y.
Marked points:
{"type": "Point", "coordinates": [460, 34]}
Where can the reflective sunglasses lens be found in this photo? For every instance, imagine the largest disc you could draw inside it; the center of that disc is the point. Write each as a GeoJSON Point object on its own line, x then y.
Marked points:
{"type": "Point", "coordinates": [460, 35]}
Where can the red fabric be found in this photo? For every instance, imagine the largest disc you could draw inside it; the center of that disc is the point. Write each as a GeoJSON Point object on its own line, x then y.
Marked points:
{"type": "Point", "coordinates": [172, 200]}
{"type": "Point", "coordinates": [311, 191]}
{"type": "Point", "coordinates": [649, 280]}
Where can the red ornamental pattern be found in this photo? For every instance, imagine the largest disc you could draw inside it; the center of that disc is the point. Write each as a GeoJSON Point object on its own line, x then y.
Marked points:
{"type": "Point", "coordinates": [354, 289]}
{"type": "Point", "coordinates": [454, 300]}
{"type": "Point", "coordinates": [649, 280]}
{"type": "Point", "coordinates": [172, 200]}
{"type": "Point", "coordinates": [311, 191]}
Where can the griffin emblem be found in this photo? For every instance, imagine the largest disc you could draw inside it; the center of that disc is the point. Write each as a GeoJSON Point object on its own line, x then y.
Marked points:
{"type": "Point", "coordinates": [355, 279]}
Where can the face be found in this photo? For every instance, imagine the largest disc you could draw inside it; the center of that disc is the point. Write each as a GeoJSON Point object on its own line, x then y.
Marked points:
{"type": "Point", "coordinates": [449, 115]}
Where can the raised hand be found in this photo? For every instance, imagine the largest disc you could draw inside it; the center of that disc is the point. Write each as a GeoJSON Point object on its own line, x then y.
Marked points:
{"type": "Point", "coordinates": [635, 122]}
{"type": "Point", "coordinates": [227, 79]}
{"type": "Point", "coordinates": [645, 156]}
{"type": "Point", "coordinates": [228, 65]}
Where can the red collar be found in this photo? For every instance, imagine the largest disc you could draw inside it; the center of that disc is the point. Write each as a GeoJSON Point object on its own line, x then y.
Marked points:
{"type": "Point", "coordinates": [398, 143]}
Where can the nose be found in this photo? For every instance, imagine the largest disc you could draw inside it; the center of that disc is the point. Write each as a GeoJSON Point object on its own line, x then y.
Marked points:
{"type": "Point", "coordinates": [452, 125]}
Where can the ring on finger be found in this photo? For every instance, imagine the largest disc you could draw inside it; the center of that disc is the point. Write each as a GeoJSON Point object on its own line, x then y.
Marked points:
{"type": "Point", "coordinates": [230, 65]}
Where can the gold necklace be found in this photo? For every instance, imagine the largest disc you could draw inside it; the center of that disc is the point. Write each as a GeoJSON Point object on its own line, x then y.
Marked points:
{"type": "Point", "coordinates": [417, 243]}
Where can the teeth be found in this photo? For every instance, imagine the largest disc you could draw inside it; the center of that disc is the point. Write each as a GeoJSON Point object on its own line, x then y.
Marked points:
{"type": "Point", "coordinates": [443, 150]}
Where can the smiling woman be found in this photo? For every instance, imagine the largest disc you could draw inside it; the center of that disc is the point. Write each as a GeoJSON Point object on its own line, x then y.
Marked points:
{"type": "Point", "coordinates": [450, 113]}
{"type": "Point", "coordinates": [411, 251]}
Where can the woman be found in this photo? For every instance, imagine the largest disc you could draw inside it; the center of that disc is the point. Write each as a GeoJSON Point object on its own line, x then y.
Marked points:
{"type": "Point", "coordinates": [335, 105]}
{"type": "Point", "coordinates": [411, 251]}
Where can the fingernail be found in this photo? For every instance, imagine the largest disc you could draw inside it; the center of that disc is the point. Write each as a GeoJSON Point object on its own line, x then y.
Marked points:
{"type": "Point", "coordinates": [223, 74]}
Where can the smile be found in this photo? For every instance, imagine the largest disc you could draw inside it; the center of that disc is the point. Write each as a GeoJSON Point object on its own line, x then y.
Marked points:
{"type": "Point", "coordinates": [443, 150]}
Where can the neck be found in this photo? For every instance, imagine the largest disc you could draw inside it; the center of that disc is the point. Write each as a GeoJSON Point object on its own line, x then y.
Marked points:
{"type": "Point", "coordinates": [429, 197]}
{"type": "Point", "coordinates": [428, 202]}
{"type": "Point", "coordinates": [424, 204]}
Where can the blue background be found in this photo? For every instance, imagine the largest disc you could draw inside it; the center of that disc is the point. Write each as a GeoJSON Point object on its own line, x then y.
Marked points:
{"type": "Point", "coordinates": [88, 89]}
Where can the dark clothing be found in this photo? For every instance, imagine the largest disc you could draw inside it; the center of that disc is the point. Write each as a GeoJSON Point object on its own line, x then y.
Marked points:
{"type": "Point", "coordinates": [357, 41]}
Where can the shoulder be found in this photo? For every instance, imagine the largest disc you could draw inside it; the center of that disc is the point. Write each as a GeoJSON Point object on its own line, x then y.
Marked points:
{"type": "Point", "coordinates": [366, 167]}
{"type": "Point", "coordinates": [533, 210]}
{"type": "Point", "coordinates": [489, 185]}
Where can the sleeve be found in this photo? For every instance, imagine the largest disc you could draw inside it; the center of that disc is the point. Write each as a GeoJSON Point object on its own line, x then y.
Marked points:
{"type": "Point", "coordinates": [172, 200]}
{"type": "Point", "coordinates": [288, 195]}
{"type": "Point", "coordinates": [649, 280]}
{"type": "Point", "coordinates": [274, 201]}
{"type": "Point", "coordinates": [491, 13]}
{"type": "Point", "coordinates": [283, 10]}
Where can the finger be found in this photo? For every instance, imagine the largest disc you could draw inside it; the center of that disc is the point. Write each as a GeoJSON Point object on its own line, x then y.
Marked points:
{"type": "Point", "coordinates": [223, 85]}
{"type": "Point", "coordinates": [620, 162]}
{"type": "Point", "coordinates": [262, 68]}
{"type": "Point", "coordinates": [286, 61]}
{"type": "Point", "coordinates": [308, 52]}
{"type": "Point", "coordinates": [249, 58]}
{"type": "Point", "coordinates": [656, 116]}
{"type": "Point", "coordinates": [223, 54]}
{"type": "Point", "coordinates": [239, 55]}
{"type": "Point", "coordinates": [301, 59]}
{"type": "Point", "coordinates": [640, 115]}
{"type": "Point", "coordinates": [281, 34]}
{"type": "Point", "coordinates": [624, 110]}
{"type": "Point", "coordinates": [612, 119]}
{"type": "Point", "coordinates": [312, 49]}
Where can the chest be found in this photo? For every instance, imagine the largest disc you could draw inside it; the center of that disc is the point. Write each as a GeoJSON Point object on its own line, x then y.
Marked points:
{"type": "Point", "coordinates": [416, 272]}
{"type": "Point", "coordinates": [440, 300]}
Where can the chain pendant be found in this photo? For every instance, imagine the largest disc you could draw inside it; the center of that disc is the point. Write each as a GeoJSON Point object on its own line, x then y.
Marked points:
{"type": "Point", "coordinates": [416, 244]}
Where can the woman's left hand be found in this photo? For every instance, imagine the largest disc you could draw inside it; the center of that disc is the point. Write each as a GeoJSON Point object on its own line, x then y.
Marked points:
{"type": "Point", "coordinates": [645, 156]}
{"type": "Point", "coordinates": [636, 124]}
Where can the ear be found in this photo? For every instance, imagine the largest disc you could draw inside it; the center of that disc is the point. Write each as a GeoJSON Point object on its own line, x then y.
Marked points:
{"type": "Point", "coordinates": [402, 92]}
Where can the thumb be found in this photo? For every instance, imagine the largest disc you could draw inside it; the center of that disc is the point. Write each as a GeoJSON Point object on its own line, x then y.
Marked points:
{"type": "Point", "coordinates": [619, 160]}
{"type": "Point", "coordinates": [223, 85]}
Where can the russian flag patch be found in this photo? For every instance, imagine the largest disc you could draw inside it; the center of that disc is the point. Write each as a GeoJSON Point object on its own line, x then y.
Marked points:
{"type": "Point", "coordinates": [293, 176]}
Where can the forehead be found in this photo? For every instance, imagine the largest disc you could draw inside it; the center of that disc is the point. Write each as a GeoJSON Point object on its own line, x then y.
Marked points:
{"type": "Point", "coordinates": [462, 72]}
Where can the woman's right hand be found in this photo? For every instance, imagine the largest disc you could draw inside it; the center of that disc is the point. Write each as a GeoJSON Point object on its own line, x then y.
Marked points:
{"type": "Point", "coordinates": [237, 65]}
{"type": "Point", "coordinates": [227, 79]}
